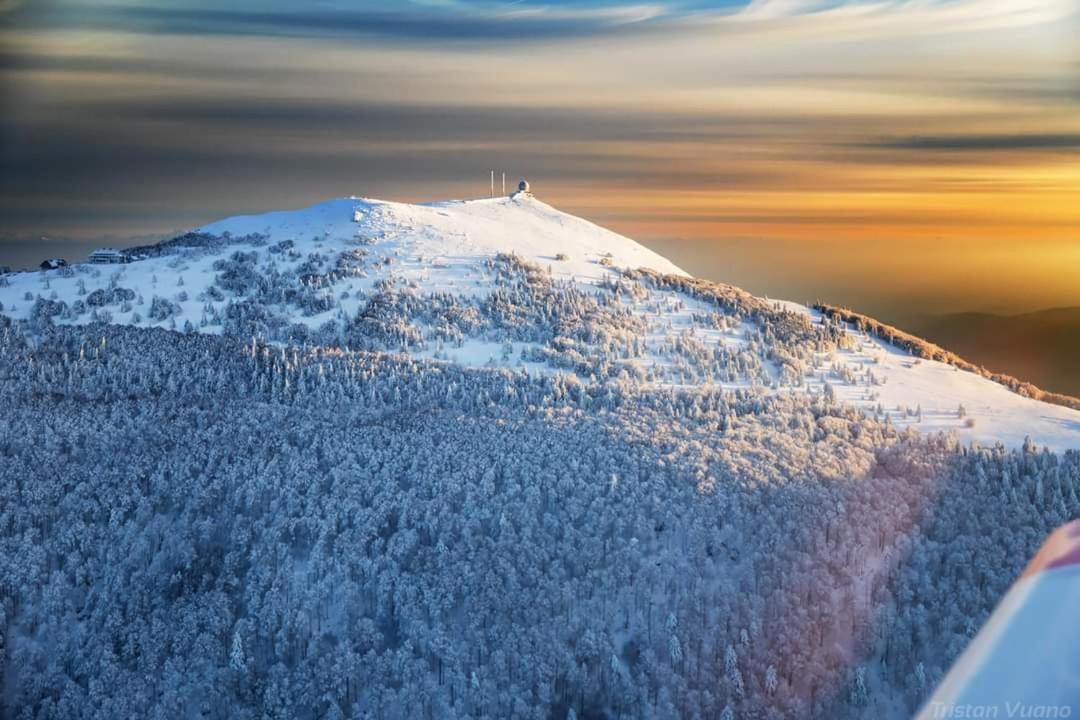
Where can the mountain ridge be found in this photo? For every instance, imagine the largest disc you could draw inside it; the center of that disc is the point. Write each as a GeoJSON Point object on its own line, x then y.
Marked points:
{"type": "Point", "coordinates": [928, 350]}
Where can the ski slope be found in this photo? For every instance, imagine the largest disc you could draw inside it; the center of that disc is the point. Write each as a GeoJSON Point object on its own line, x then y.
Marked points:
{"type": "Point", "coordinates": [448, 247]}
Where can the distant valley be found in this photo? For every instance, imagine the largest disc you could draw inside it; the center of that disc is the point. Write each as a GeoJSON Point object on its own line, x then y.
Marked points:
{"type": "Point", "coordinates": [1043, 347]}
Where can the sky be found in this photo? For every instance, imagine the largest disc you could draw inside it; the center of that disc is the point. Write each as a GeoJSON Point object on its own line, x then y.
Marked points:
{"type": "Point", "coordinates": [898, 156]}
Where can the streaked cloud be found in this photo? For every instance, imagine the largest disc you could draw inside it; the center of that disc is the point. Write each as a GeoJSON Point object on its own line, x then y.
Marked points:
{"type": "Point", "coordinates": [899, 17]}
{"type": "Point", "coordinates": [985, 143]}
{"type": "Point", "coordinates": [441, 23]}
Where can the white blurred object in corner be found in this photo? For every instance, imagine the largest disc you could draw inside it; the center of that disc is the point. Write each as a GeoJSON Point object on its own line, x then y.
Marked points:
{"type": "Point", "coordinates": [1025, 662]}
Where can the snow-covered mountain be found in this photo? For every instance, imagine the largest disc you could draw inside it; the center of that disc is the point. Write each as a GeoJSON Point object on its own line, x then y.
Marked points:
{"type": "Point", "coordinates": [487, 460]}
{"type": "Point", "coordinates": [308, 274]}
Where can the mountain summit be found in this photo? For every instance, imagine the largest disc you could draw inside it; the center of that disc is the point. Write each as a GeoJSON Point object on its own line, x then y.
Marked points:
{"type": "Point", "coordinates": [454, 232]}
{"type": "Point", "coordinates": [513, 282]}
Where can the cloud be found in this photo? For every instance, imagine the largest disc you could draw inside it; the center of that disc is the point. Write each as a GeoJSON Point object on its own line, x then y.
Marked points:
{"type": "Point", "coordinates": [120, 150]}
{"type": "Point", "coordinates": [906, 16]}
{"type": "Point", "coordinates": [512, 23]}
{"type": "Point", "coordinates": [375, 120]}
{"type": "Point", "coordinates": [522, 20]}
{"type": "Point", "coordinates": [982, 143]}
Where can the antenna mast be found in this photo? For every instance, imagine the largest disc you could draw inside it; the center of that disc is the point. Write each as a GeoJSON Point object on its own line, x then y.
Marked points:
{"type": "Point", "coordinates": [504, 182]}
{"type": "Point", "coordinates": [492, 184]}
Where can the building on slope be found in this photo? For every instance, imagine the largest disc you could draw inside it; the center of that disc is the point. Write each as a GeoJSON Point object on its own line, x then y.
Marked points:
{"type": "Point", "coordinates": [524, 189]}
{"type": "Point", "coordinates": [108, 256]}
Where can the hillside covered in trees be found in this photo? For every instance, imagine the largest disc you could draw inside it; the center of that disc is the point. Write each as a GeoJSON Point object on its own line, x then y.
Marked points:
{"type": "Point", "coordinates": [498, 489]}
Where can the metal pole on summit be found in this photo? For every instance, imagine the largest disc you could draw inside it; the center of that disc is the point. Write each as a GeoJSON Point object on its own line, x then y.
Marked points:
{"type": "Point", "coordinates": [492, 184]}
{"type": "Point", "coordinates": [504, 182]}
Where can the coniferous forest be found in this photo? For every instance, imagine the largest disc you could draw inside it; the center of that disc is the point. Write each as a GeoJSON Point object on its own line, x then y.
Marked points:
{"type": "Point", "coordinates": [206, 526]}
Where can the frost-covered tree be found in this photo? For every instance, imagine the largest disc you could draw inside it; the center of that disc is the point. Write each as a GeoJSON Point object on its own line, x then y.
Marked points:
{"type": "Point", "coordinates": [237, 658]}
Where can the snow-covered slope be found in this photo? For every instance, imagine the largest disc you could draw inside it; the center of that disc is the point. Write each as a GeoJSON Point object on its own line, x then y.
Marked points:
{"type": "Point", "coordinates": [934, 396]}
{"type": "Point", "coordinates": [515, 282]}
{"type": "Point", "coordinates": [433, 240]}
